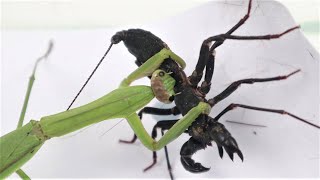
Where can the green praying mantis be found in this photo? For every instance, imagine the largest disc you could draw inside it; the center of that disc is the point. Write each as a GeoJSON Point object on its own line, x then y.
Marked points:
{"type": "Point", "coordinates": [73, 127]}
{"type": "Point", "coordinates": [18, 146]}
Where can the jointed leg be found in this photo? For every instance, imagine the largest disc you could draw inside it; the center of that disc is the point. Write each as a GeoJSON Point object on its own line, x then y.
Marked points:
{"type": "Point", "coordinates": [222, 37]}
{"type": "Point", "coordinates": [205, 51]}
{"type": "Point", "coordinates": [30, 84]}
{"type": "Point", "coordinates": [219, 39]}
{"type": "Point", "coordinates": [201, 64]}
{"type": "Point", "coordinates": [163, 125]}
{"type": "Point", "coordinates": [235, 27]}
{"type": "Point", "coordinates": [20, 172]}
{"type": "Point", "coordinates": [236, 84]}
{"type": "Point", "coordinates": [175, 131]}
{"type": "Point", "coordinates": [154, 111]}
{"type": "Point", "coordinates": [206, 59]}
{"type": "Point", "coordinates": [167, 159]}
{"type": "Point", "coordinates": [206, 84]}
{"type": "Point", "coordinates": [233, 106]}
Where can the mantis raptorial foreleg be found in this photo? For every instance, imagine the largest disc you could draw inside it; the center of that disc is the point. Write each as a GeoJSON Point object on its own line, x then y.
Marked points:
{"type": "Point", "coordinates": [175, 131]}
{"type": "Point", "coordinates": [152, 64]}
{"type": "Point", "coordinates": [146, 69]}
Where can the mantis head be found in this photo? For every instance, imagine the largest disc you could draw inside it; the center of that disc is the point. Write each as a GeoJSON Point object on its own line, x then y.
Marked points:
{"type": "Point", "coordinates": [162, 85]}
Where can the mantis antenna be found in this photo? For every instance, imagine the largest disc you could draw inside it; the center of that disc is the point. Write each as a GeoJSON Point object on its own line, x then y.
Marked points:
{"type": "Point", "coordinates": [94, 70]}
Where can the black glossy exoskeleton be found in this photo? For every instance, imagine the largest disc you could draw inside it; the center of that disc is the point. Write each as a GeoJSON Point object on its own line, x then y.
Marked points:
{"type": "Point", "coordinates": [205, 130]}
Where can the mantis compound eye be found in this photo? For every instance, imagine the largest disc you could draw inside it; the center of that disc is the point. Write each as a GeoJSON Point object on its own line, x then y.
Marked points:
{"type": "Point", "coordinates": [161, 74]}
{"type": "Point", "coordinates": [171, 98]}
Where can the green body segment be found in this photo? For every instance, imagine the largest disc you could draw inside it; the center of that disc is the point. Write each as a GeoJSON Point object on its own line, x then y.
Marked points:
{"type": "Point", "coordinates": [18, 146]}
{"type": "Point", "coordinates": [119, 103]}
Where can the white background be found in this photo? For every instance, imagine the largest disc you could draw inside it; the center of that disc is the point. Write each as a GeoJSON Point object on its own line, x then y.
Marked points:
{"type": "Point", "coordinates": [286, 148]}
{"type": "Point", "coordinates": [79, 14]}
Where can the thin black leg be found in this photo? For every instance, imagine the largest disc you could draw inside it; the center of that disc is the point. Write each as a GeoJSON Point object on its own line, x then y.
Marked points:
{"type": "Point", "coordinates": [235, 27]}
{"type": "Point", "coordinates": [236, 84]}
{"type": "Point", "coordinates": [222, 37]}
{"type": "Point", "coordinates": [219, 39]}
{"type": "Point", "coordinates": [163, 125]}
{"type": "Point", "coordinates": [206, 84]}
{"type": "Point", "coordinates": [202, 61]}
{"type": "Point", "coordinates": [154, 111]}
{"type": "Point", "coordinates": [167, 158]}
{"type": "Point", "coordinates": [233, 106]}
{"type": "Point", "coordinates": [205, 53]}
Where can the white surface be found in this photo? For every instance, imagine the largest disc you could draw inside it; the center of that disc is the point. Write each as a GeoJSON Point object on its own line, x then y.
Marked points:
{"type": "Point", "coordinates": [43, 13]}
{"type": "Point", "coordinates": [286, 148]}
{"type": "Point", "coordinates": [77, 14]}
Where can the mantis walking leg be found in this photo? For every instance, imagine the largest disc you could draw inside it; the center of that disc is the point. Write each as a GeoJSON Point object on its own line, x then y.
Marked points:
{"type": "Point", "coordinates": [20, 172]}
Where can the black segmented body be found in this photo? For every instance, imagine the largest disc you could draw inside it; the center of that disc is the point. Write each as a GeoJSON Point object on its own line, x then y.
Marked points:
{"type": "Point", "coordinates": [143, 44]}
